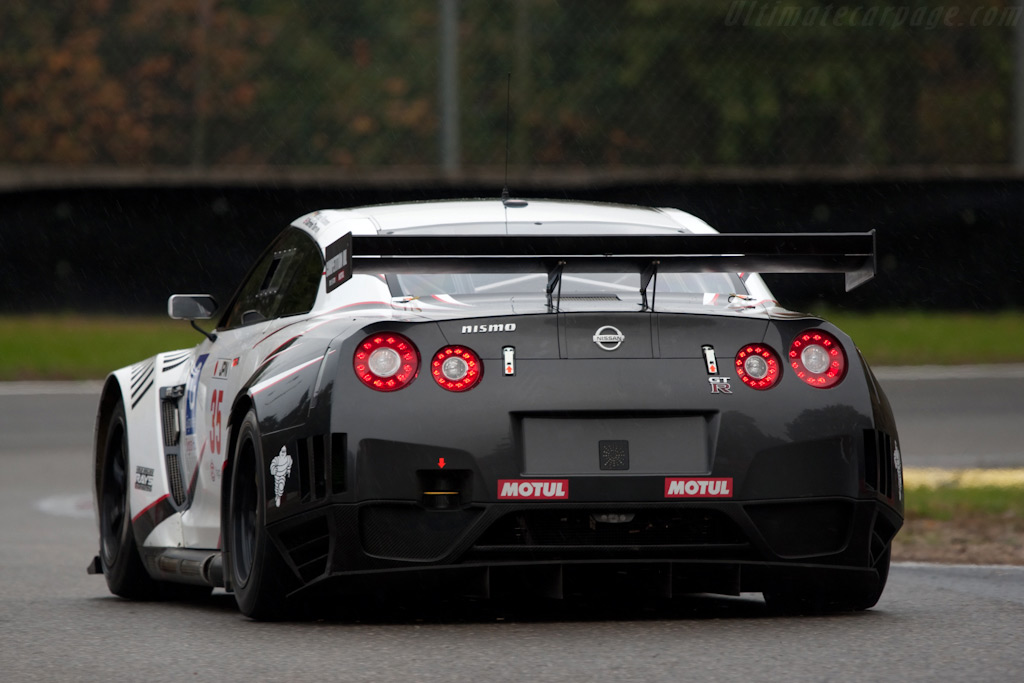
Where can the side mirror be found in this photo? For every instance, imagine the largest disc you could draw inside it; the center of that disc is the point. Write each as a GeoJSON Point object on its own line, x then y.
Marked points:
{"type": "Point", "coordinates": [191, 306]}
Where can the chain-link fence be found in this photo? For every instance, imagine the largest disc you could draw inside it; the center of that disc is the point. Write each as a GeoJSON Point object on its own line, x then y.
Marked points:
{"type": "Point", "coordinates": [423, 83]}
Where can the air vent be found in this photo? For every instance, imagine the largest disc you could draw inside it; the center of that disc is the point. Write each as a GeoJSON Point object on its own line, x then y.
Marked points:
{"type": "Point", "coordinates": [169, 419]}
{"type": "Point", "coordinates": [675, 527]}
{"type": "Point", "coordinates": [879, 468]}
{"type": "Point", "coordinates": [314, 457]}
{"type": "Point", "coordinates": [308, 545]}
{"type": "Point", "coordinates": [177, 483]}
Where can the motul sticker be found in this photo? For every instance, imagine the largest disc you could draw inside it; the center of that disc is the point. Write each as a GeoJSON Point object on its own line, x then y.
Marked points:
{"type": "Point", "coordinates": [698, 488]}
{"type": "Point", "coordinates": [533, 489]}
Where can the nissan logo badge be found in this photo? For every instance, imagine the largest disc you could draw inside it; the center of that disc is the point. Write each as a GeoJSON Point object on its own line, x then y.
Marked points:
{"type": "Point", "coordinates": [609, 338]}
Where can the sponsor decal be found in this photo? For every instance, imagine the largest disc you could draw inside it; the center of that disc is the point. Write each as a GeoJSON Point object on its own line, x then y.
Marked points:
{"type": "Point", "coordinates": [508, 360]}
{"type": "Point", "coordinates": [190, 394]}
{"type": "Point", "coordinates": [609, 338]}
{"type": "Point", "coordinates": [191, 387]}
{"type": "Point", "coordinates": [220, 368]}
{"type": "Point", "coordinates": [144, 478]}
{"type": "Point", "coordinates": [493, 327]}
{"type": "Point", "coordinates": [709, 359]}
{"type": "Point", "coordinates": [533, 489]}
{"type": "Point", "coordinates": [699, 487]}
{"type": "Point", "coordinates": [314, 220]}
{"type": "Point", "coordinates": [280, 468]}
{"type": "Point", "coordinates": [338, 268]}
{"type": "Point", "coordinates": [720, 385]}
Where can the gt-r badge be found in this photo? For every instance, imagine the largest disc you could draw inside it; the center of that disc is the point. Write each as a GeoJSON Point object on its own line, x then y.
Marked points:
{"type": "Point", "coordinates": [720, 385]}
{"type": "Point", "coordinates": [609, 338]}
{"type": "Point", "coordinates": [280, 468]}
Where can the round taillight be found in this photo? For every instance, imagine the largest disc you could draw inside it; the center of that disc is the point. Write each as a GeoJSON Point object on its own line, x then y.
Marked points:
{"type": "Point", "coordinates": [456, 368]}
{"type": "Point", "coordinates": [386, 361]}
{"type": "Point", "coordinates": [817, 358]}
{"type": "Point", "coordinates": [758, 366]}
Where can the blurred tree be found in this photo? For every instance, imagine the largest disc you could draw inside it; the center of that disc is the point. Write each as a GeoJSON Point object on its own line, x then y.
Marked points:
{"type": "Point", "coordinates": [681, 83]}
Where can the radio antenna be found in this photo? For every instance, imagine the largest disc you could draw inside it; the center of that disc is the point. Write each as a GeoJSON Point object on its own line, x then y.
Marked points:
{"type": "Point", "coordinates": [508, 117]}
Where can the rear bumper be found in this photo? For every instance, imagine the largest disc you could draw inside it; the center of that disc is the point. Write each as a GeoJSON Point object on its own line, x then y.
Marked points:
{"type": "Point", "coordinates": [550, 549]}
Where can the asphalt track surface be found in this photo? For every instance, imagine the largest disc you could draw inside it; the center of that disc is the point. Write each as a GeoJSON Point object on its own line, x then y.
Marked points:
{"type": "Point", "coordinates": [933, 623]}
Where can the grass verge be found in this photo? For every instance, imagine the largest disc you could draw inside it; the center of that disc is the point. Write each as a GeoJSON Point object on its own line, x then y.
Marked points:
{"type": "Point", "coordinates": [934, 338]}
{"type": "Point", "coordinates": [51, 347]}
{"type": "Point", "coordinates": [966, 516]}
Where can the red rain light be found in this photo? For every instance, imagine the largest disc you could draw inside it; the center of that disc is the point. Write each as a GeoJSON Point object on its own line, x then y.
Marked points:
{"type": "Point", "coordinates": [758, 366]}
{"type": "Point", "coordinates": [456, 368]}
{"type": "Point", "coordinates": [386, 361]}
{"type": "Point", "coordinates": [817, 358]}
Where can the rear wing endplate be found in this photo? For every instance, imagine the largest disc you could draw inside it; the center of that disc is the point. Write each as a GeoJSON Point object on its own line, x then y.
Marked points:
{"type": "Point", "coordinates": [850, 253]}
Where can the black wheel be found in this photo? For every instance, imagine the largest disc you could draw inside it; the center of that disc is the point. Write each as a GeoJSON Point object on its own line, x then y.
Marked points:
{"type": "Point", "coordinates": [259, 577]}
{"type": "Point", "coordinates": [818, 600]}
{"type": "Point", "coordinates": [122, 566]}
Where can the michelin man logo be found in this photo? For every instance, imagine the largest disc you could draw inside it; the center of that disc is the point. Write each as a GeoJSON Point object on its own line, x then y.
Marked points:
{"type": "Point", "coordinates": [280, 468]}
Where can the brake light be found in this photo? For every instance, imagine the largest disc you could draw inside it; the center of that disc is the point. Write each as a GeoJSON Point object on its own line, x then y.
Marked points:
{"type": "Point", "coordinates": [386, 362]}
{"type": "Point", "coordinates": [758, 366]}
{"type": "Point", "coordinates": [818, 358]}
{"type": "Point", "coordinates": [456, 368]}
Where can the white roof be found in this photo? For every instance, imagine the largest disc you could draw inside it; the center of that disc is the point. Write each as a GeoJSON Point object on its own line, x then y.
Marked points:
{"type": "Point", "coordinates": [492, 216]}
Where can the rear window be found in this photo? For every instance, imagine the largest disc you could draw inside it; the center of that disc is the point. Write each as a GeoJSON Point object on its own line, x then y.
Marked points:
{"type": "Point", "coordinates": [572, 283]}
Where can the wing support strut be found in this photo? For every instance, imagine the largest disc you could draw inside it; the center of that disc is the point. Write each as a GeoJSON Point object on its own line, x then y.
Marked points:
{"type": "Point", "coordinates": [555, 282]}
{"type": "Point", "coordinates": [650, 272]}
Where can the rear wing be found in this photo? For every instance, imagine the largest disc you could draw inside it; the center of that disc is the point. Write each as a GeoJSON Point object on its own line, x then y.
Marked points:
{"type": "Point", "coordinates": [850, 253]}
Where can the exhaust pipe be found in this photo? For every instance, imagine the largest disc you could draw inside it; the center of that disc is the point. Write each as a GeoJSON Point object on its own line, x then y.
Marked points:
{"type": "Point", "coordinates": [182, 565]}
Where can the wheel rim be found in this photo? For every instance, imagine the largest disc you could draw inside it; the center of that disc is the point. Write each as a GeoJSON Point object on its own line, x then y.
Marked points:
{"type": "Point", "coordinates": [113, 508]}
{"type": "Point", "coordinates": [244, 514]}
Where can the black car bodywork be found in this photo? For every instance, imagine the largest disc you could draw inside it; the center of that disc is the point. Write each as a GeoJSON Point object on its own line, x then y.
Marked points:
{"type": "Point", "coordinates": [796, 491]}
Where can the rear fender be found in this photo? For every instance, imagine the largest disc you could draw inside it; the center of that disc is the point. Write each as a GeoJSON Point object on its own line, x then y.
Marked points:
{"type": "Point", "coordinates": [282, 393]}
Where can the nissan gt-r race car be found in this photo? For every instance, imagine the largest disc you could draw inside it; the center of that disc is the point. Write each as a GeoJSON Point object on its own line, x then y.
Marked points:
{"type": "Point", "coordinates": [502, 397]}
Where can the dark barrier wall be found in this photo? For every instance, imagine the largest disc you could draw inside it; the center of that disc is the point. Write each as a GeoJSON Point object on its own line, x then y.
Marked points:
{"type": "Point", "coordinates": [949, 245]}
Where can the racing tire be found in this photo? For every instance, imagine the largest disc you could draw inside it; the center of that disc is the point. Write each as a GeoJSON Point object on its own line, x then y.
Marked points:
{"type": "Point", "coordinates": [812, 600]}
{"type": "Point", "coordinates": [120, 559]}
{"type": "Point", "coordinates": [258, 575]}
{"type": "Point", "coordinates": [119, 556]}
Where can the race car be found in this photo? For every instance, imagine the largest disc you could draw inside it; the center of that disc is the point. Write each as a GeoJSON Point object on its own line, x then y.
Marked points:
{"type": "Point", "coordinates": [499, 397]}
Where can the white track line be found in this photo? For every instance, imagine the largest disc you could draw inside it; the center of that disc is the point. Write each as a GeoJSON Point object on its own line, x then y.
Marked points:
{"type": "Point", "coordinates": [77, 505]}
{"type": "Point", "coordinates": [954, 565]}
{"type": "Point", "coordinates": [948, 372]}
{"type": "Point", "coordinates": [91, 387]}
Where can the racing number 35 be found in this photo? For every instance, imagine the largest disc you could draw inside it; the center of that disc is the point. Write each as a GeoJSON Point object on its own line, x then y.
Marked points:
{"type": "Point", "coordinates": [216, 399]}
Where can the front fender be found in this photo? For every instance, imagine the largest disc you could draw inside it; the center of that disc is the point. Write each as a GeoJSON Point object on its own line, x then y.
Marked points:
{"type": "Point", "coordinates": [151, 504]}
